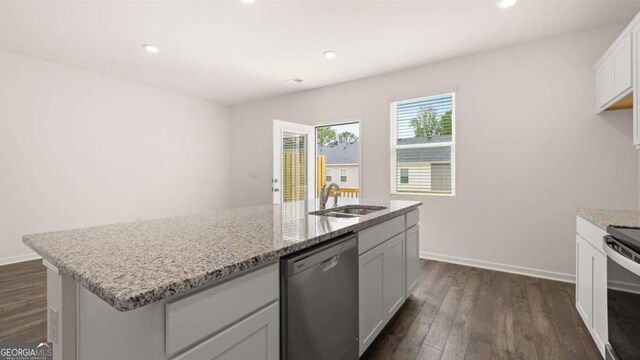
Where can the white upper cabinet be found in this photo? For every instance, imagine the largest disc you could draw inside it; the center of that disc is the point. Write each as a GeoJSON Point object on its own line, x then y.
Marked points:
{"type": "Point", "coordinates": [622, 67]}
{"type": "Point", "coordinates": [617, 77]}
{"type": "Point", "coordinates": [614, 80]}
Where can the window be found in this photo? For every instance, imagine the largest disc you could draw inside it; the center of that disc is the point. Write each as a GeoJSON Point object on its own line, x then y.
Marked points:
{"type": "Point", "coordinates": [423, 141]}
{"type": "Point", "coordinates": [338, 157]}
{"type": "Point", "coordinates": [404, 176]}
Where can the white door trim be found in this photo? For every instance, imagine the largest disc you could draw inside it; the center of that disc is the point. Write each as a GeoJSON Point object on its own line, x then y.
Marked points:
{"type": "Point", "coordinates": [278, 128]}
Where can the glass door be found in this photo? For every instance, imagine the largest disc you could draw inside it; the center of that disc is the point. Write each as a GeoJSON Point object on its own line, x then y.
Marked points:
{"type": "Point", "coordinates": [293, 162]}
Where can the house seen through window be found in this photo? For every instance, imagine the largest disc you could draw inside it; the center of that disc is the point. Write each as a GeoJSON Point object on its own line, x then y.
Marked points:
{"type": "Point", "coordinates": [404, 176]}
{"type": "Point", "coordinates": [423, 145]}
{"type": "Point", "coordinates": [338, 152]}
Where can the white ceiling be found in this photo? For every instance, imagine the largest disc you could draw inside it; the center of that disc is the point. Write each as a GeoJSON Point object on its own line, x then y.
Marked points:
{"type": "Point", "coordinates": [231, 52]}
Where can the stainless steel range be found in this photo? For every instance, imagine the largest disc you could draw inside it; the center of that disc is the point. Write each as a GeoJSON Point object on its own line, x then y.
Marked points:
{"type": "Point", "coordinates": [623, 292]}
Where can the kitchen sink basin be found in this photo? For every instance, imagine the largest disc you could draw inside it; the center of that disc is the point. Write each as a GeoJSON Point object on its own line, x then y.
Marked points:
{"type": "Point", "coordinates": [348, 211]}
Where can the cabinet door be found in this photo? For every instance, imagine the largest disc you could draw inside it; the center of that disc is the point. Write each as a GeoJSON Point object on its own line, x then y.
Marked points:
{"type": "Point", "coordinates": [412, 259]}
{"type": "Point", "coordinates": [371, 293]}
{"type": "Point", "coordinates": [394, 269]}
{"type": "Point", "coordinates": [605, 83]}
{"type": "Point", "coordinates": [256, 337]}
{"type": "Point", "coordinates": [622, 61]}
{"type": "Point", "coordinates": [584, 280]}
{"type": "Point", "coordinates": [599, 331]}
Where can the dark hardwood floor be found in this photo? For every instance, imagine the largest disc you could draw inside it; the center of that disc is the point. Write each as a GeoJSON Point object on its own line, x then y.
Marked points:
{"type": "Point", "coordinates": [460, 312]}
{"type": "Point", "coordinates": [23, 302]}
{"type": "Point", "coordinates": [457, 312]}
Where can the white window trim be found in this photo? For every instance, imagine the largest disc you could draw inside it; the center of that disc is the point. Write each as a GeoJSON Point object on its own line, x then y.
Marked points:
{"type": "Point", "coordinates": [328, 174]}
{"type": "Point", "coordinates": [395, 147]}
{"type": "Point", "coordinates": [346, 175]}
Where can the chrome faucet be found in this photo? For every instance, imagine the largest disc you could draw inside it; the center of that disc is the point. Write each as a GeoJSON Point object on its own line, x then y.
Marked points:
{"type": "Point", "coordinates": [326, 191]}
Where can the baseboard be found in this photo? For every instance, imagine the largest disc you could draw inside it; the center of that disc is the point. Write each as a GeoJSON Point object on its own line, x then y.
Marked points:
{"type": "Point", "coordinates": [624, 286]}
{"type": "Point", "coordinates": [19, 258]}
{"type": "Point", "coordinates": [520, 270]}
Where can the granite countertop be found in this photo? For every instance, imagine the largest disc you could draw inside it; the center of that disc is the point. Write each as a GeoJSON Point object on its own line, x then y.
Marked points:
{"type": "Point", "coordinates": [132, 264]}
{"type": "Point", "coordinates": [605, 217]}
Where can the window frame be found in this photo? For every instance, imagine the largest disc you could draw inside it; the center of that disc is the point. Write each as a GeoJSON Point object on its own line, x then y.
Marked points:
{"type": "Point", "coordinates": [328, 176]}
{"type": "Point", "coordinates": [346, 175]}
{"type": "Point", "coordinates": [395, 147]}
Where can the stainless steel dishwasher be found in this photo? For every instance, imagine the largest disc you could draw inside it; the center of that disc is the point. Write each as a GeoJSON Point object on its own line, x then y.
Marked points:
{"type": "Point", "coordinates": [319, 302]}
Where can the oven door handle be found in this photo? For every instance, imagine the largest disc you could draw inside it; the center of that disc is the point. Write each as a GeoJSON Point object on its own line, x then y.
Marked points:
{"type": "Point", "coordinates": [620, 259]}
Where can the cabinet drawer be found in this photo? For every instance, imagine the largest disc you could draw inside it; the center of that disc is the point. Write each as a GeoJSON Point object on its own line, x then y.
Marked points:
{"type": "Point", "coordinates": [195, 317]}
{"type": "Point", "coordinates": [377, 234]}
{"type": "Point", "coordinates": [590, 232]}
{"type": "Point", "coordinates": [413, 217]}
{"type": "Point", "coordinates": [256, 337]}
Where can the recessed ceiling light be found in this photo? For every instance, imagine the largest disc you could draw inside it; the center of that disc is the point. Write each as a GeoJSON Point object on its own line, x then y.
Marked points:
{"type": "Point", "coordinates": [150, 48]}
{"type": "Point", "coordinates": [330, 54]}
{"type": "Point", "coordinates": [248, 1]}
{"type": "Point", "coordinates": [503, 4]}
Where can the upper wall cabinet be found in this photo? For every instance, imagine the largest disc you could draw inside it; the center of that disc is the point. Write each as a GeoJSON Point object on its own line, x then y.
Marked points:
{"type": "Point", "coordinates": [617, 78]}
{"type": "Point", "coordinates": [614, 74]}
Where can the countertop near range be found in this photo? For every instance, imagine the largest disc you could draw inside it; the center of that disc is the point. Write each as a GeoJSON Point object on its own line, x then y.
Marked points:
{"type": "Point", "coordinates": [132, 264]}
{"type": "Point", "coordinates": [605, 217]}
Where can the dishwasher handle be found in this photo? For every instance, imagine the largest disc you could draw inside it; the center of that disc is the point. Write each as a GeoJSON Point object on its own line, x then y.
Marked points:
{"type": "Point", "coordinates": [330, 264]}
{"type": "Point", "coordinates": [325, 257]}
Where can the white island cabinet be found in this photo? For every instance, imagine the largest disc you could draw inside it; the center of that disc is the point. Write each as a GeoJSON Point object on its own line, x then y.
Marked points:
{"type": "Point", "coordinates": [235, 316]}
{"type": "Point", "coordinates": [388, 272]}
{"type": "Point", "coordinates": [232, 319]}
{"type": "Point", "coordinates": [591, 280]}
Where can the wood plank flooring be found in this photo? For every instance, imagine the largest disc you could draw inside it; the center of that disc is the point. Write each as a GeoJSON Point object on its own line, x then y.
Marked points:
{"type": "Point", "coordinates": [457, 312]}
{"type": "Point", "coordinates": [460, 312]}
{"type": "Point", "coordinates": [23, 302]}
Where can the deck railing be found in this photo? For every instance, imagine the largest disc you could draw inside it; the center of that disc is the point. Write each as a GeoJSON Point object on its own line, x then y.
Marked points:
{"type": "Point", "coordinates": [352, 193]}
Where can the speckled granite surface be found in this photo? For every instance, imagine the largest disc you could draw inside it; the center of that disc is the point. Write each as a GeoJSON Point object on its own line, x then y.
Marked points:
{"type": "Point", "coordinates": [605, 217]}
{"type": "Point", "coordinates": [133, 264]}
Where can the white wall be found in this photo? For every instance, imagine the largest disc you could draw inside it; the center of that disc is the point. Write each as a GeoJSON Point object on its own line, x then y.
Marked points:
{"type": "Point", "coordinates": [529, 148]}
{"type": "Point", "coordinates": [80, 149]}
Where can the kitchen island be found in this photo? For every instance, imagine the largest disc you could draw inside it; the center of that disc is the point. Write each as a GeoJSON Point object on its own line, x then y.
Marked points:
{"type": "Point", "coordinates": [167, 288]}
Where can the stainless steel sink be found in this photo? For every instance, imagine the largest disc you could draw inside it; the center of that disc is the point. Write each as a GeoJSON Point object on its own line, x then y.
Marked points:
{"type": "Point", "coordinates": [348, 211]}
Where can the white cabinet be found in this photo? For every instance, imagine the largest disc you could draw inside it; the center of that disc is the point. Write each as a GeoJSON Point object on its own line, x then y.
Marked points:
{"type": "Point", "coordinates": [236, 318]}
{"type": "Point", "coordinates": [412, 258]}
{"type": "Point", "coordinates": [599, 327]}
{"type": "Point", "coordinates": [256, 337]}
{"type": "Point", "coordinates": [584, 280]}
{"type": "Point", "coordinates": [614, 73]}
{"type": "Point", "coordinates": [196, 316]}
{"type": "Point", "coordinates": [591, 281]}
{"type": "Point", "coordinates": [371, 293]}
{"type": "Point", "coordinates": [394, 274]}
{"type": "Point", "coordinates": [381, 287]}
{"type": "Point", "coordinates": [388, 268]}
